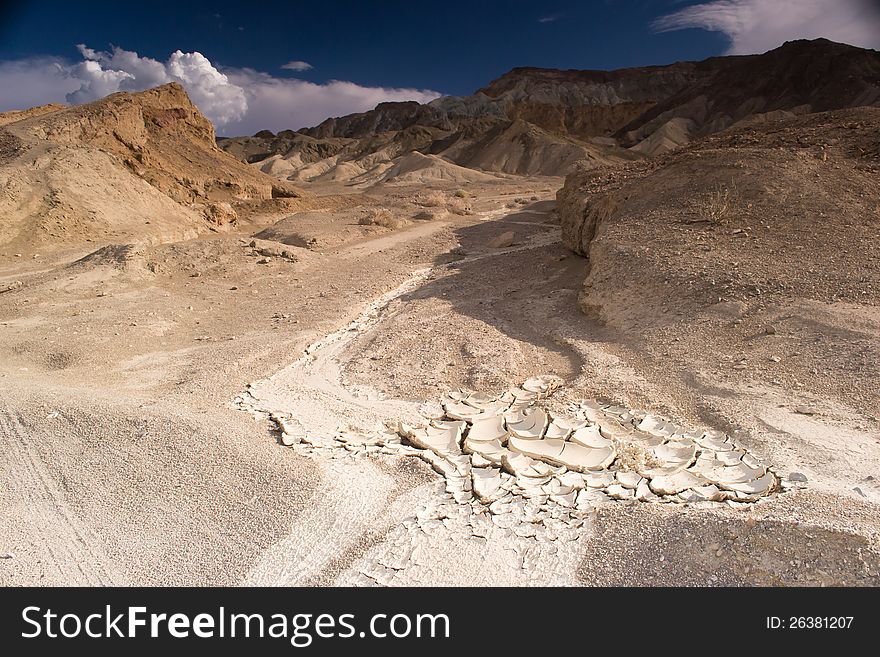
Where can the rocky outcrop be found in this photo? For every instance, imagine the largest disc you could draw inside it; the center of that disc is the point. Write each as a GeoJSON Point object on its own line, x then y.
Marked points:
{"type": "Point", "coordinates": [161, 137]}
{"type": "Point", "coordinates": [134, 165]}
{"type": "Point", "coordinates": [744, 217]}
{"type": "Point", "coordinates": [581, 210]}
{"type": "Point", "coordinates": [587, 104]}
{"type": "Point", "coordinates": [386, 117]}
{"type": "Point", "coordinates": [667, 105]}
{"type": "Point", "coordinates": [287, 143]}
{"type": "Point", "coordinates": [523, 148]}
{"type": "Point", "coordinates": [535, 121]}
{"type": "Point", "coordinates": [19, 115]}
{"type": "Point", "coordinates": [798, 77]}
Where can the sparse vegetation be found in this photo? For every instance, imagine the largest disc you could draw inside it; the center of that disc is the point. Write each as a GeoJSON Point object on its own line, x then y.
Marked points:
{"type": "Point", "coordinates": [381, 217]}
{"type": "Point", "coordinates": [715, 206]}
{"type": "Point", "coordinates": [432, 199]}
{"type": "Point", "coordinates": [458, 205]}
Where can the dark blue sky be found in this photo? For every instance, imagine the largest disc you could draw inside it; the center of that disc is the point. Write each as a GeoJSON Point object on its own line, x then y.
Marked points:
{"type": "Point", "coordinates": [453, 47]}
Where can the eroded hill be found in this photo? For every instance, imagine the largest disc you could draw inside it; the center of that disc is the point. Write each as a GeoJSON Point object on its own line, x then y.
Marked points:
{"type": "Point", "coordinates": [756, 248]}
{"type": "Point", "coordinates": [141, 166]}
{"type": "Point", "coordinates": [536, 121]}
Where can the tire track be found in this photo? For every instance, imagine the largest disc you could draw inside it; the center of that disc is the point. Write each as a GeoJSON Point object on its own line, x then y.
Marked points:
{"type": "Point", "coordinates": [57, 534]}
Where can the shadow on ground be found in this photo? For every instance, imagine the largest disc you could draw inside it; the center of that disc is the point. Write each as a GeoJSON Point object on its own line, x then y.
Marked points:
{"type": "Point", "coordinates": [525, 285]}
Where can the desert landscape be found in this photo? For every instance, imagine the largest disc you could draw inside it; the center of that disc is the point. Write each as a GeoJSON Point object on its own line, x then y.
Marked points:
{"type": "Point", "coordinates": [578, 328]}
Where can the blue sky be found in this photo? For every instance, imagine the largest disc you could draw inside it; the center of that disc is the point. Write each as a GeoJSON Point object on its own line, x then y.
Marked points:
{"type": "Point", "coordinates": [347, 56]}
{"type": "Point", "coordinates": [452, 46]}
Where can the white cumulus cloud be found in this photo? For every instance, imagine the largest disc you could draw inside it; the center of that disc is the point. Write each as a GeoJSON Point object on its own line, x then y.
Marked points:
{"type": "Point", "coordinates": [238, 100]}
{"type": "Point", "coordinates": [289, 103]}
{"type": "Point", "coordinates": [297, 65]}
{"type": "Point", "coordinates": [755, 26]}
{"type": "Point", "coordinates": [102, 73]}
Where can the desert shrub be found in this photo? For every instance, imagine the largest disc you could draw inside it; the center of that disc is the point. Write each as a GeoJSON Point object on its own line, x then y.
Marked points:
{"type": "Point", "coordinates": [459, 206]}
{"type": "Point", "coordinates": [715, 206]}
{"type": "Point", "coordinates": [380, 217]}
{"type": "Point", "coordinates": [456, 203]}
{"type": "Point", "coordinates": [433, 199]}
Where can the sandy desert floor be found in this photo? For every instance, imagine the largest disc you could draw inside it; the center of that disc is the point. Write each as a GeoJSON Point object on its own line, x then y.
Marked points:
{"type": "Point", "coordinates": [137, 388]}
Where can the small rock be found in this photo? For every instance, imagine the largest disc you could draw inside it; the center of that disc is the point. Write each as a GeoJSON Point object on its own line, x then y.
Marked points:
{"type": "Point", "coordinates": [797, 476]}
{"type": "Point", "coordinates": [770, 330]}
{"type": "Point", "coordinates": [504, 240]}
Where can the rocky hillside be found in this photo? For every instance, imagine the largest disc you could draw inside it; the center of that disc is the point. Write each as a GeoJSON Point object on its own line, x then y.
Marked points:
{"type": "Point", "coordinates": [129, 166]}
{"type": "Point", "coordinates": [588, 104]}
{"type": "Point", "coordinates": [757, 244]}
{"type": "Point", "coordinates": [541, 121]}
{"type": "Point", "coordinates": [797, 78]}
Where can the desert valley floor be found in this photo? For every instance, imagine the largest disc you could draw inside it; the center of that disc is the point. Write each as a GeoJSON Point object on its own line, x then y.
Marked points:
{"type": "Point", "coordinates": [577, 328]}
{"type": "Point", "coordinates": [145, 436]}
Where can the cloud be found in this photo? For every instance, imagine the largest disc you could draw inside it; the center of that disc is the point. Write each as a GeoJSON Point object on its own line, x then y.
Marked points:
{"type": "Point", "coordinates": [755, 26]}
{"type": "Point", "coordinates": [102, 73]}
{"type": "Point", "coordinates": [549, 19]}
{"type": "Point", "coordinates": [297, 65]}
{"type": "Point", "coordinates": [35, 81]}
{"type": "Point", "coordinates": [238, 100]}
{"type": "Point", "coordinates": [290, 103]}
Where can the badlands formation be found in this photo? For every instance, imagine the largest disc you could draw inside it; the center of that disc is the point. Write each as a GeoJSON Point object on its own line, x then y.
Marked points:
{"type": "Point", "coordinates": [580, 328]}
